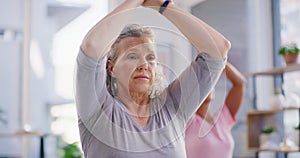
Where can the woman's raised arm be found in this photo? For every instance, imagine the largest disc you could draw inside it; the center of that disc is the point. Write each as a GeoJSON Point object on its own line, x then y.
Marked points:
{"type": "Point", "coordinates": [236, 93]}
{"type": "Point", "coordinates": [201, 35]}
{"type": "Point", "coordinates": [99, 39]}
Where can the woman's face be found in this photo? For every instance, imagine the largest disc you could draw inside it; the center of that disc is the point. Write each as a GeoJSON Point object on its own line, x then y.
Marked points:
{"type": "Point", "coordinates": [135, 64]}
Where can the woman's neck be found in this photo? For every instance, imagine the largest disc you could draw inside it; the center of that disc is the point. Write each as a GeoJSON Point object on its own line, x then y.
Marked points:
{"type": "Point", "coordinates": [140, 98]}
{"type": "Point", "coordinates": [138, 107]}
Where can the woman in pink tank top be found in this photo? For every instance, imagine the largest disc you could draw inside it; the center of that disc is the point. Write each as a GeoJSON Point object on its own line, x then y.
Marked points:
{"type": "Point", "coordinates": [209, 135]}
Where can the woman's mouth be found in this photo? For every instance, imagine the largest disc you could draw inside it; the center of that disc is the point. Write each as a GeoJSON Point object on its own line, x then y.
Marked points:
{"type": "Point", "coordinates": [141, 77]}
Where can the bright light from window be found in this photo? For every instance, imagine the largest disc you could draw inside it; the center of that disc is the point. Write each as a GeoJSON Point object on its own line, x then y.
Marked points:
{"type": "Point", "coordinates": [66, 43]}
{"type": "Point", "coordinates": [65, 122]}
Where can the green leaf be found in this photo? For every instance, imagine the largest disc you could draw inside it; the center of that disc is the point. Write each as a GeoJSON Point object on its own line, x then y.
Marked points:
{"type": "Point", "coordinates": [268, 130]}
{"type": "Point", "coordinates": [291, 48]}
{"type": "Point", "coordinates": [72, 151]}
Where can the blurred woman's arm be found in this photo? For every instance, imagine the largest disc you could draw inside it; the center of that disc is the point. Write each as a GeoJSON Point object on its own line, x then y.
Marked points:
{"type": "Point", "coordinates": [236, 93]}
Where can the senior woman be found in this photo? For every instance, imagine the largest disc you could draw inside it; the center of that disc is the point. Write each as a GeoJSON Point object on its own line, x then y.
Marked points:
{"type": "Point", "coordinates": [122, 110]}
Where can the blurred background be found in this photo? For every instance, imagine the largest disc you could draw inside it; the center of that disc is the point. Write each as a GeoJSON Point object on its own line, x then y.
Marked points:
{"type": "Point", "coordinates": [40, 39]}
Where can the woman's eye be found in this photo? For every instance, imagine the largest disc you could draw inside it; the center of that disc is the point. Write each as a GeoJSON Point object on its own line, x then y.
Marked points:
{"type": "Point", "coordinates": [132, 56]}
{"type": "Point", "coordinates": [151, 58]}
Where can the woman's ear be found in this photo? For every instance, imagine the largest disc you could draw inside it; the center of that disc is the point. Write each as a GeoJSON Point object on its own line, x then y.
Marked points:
{"type": "Point", "coordinates": [110, 66]}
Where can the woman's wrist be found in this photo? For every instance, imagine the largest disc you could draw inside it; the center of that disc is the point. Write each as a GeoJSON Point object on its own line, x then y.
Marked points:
{"type": "Point", "coordinates": [141, 2]}
{"type": "Point", "coordinates": [155, 5]}
{"type": "Point", "coordinates": [138, 2]}
{"type": "Point", "coordinates": [164, 6]}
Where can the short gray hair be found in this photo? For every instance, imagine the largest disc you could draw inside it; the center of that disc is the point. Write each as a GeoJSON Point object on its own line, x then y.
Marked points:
{"type": "Point", "coordinates": [132, 30]}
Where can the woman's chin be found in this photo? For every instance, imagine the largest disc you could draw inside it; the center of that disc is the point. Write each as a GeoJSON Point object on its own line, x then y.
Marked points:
{"type": "Point", "coordinates": [141, 89]}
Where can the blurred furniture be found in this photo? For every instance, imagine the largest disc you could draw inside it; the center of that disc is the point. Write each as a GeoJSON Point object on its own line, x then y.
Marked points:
{"type": "Point", "coordinates": [258, 119]}
{"type": "Point", "coordinates": [27, 134]}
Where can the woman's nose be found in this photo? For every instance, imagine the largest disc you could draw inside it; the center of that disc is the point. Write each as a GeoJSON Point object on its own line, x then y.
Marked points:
{"type": "Point", "coordinates": [143, 66]}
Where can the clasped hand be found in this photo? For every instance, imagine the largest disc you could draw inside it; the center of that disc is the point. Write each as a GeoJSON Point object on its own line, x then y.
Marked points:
{"type": "Point", "coordinates": [150, 3]}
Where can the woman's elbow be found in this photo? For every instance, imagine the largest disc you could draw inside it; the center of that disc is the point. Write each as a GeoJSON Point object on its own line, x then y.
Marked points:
{"type": "Point", "coordinates": [227, 45]}
{"type": "Point", "coordinates": [241, 83]}
{"type": "Point", "coordinates": [86, 44]}
{"type": "Point", "coordinates": [224, 48]}
{"type": "Point", "coordinates": [89, 48]}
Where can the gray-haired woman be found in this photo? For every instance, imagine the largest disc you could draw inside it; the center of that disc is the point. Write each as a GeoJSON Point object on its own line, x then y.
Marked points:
{"type": "Point", "coordinates": [122, 109]}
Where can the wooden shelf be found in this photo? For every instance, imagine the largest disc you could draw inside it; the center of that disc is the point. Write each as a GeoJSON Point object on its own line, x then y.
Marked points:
{"type": "Point", "coordinates": [272, 150]}
{"type": "Point", "coordinates": [276, 71]}
{"type": "Point", "coordinates": [256, 121]}
{"type": "Point", "coordinates": [259, 119]}
{"type": "Point", "coordinates": [23, 133]}
{"type": "Point", "coordinates": [260, 112]}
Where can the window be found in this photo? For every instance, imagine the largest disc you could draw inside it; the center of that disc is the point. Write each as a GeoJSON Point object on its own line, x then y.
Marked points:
{"type": "Point", "coordinates": [290, 21]}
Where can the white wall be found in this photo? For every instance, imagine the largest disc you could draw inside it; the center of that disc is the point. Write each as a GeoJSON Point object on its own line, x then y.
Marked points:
{"type": "Point", "coordinates": [260, 47]}
{"type": "Point", "coordinates": [10, 93]}
{"type": "Point", "coordinates": [41, 75]}
{"type": "Point", "coordinates": [10, 72]}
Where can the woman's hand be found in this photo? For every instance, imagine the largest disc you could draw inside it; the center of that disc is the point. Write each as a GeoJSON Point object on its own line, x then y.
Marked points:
{"type": "Point", "coordinates": [202, 36]}
{"type": "Point", "coordinates": [140, 2]}
{"type": "Point", "coordinates": [153, 3]}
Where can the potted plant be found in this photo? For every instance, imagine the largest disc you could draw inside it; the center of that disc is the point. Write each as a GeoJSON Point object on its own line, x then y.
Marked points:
{"type": "Point", "coordinates": [268, 130]}
{"type": "Point", "coordinates": [269, 138]}
{"type": "Point", "coordinates": [72, 151]}
{"type": "Point", "coordinates": [290, 53]}
{"type": "Point", "coordinates": [67, 150]}
{"type": "Point", "coordinates": [277, 100]}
